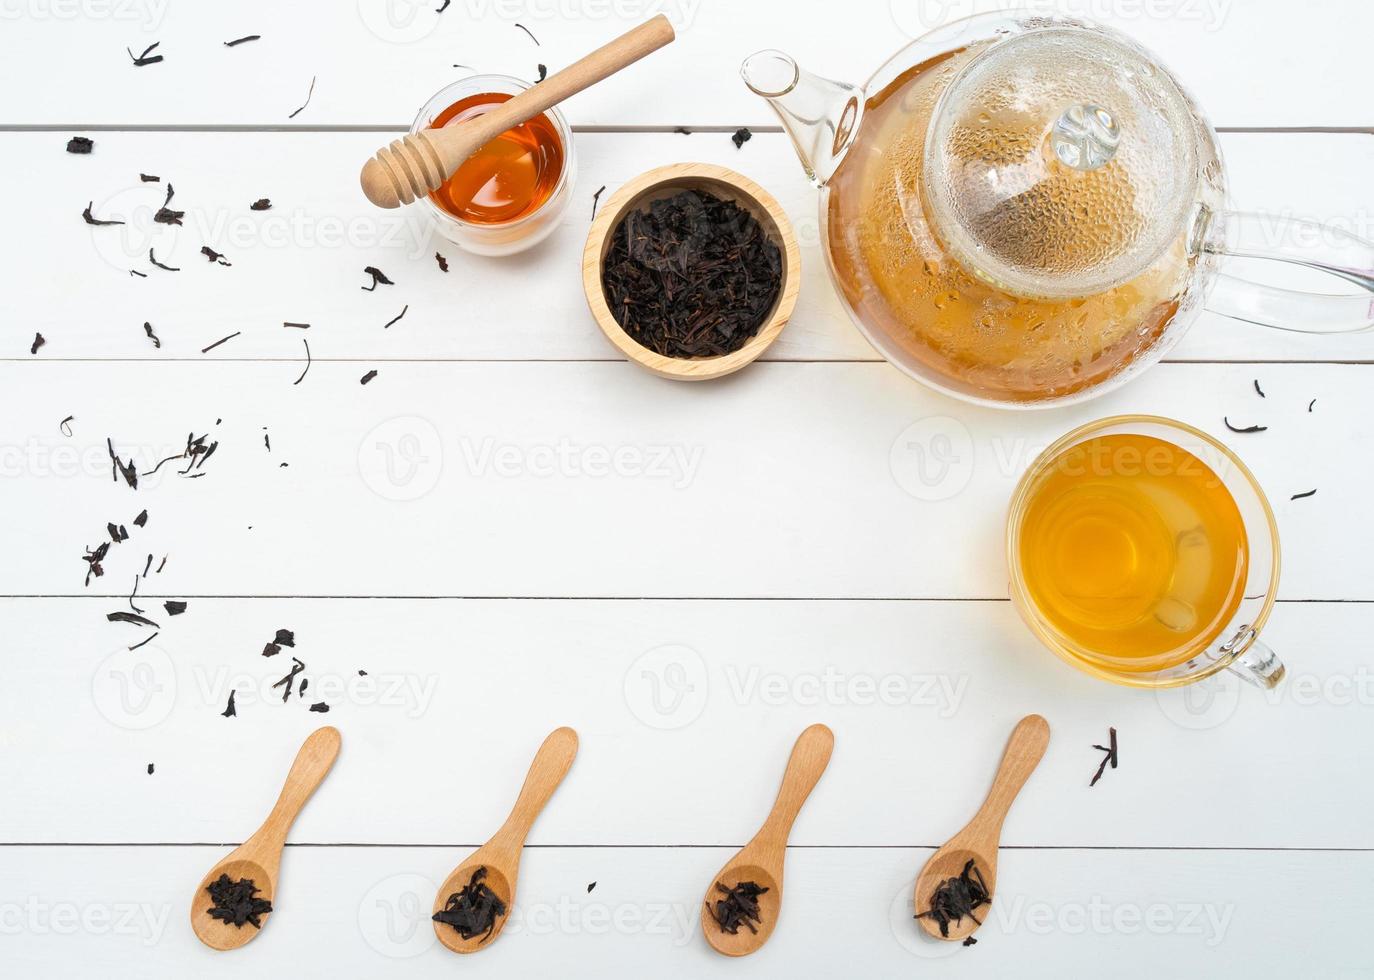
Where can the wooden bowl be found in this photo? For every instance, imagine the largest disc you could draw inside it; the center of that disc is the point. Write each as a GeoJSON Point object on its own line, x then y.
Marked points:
{"type": "Point", "coordinates": [664, 182]}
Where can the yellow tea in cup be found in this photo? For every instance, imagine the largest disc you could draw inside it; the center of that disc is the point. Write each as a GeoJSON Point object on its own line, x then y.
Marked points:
{"type": "Point", "coordinates": [1132, 551]}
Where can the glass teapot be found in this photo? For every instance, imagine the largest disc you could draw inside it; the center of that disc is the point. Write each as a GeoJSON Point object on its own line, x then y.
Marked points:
{"type": "Point", "coordinates": [1025, 210]}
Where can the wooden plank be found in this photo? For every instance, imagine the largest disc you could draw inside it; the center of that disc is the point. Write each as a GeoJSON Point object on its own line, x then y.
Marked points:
{"type": "Point", "coordinates": [363, 911]}
{"type": "Point", "coordinates": [377, 61]}
{"type": "Point", "coordinates": [680, 707]}
{"type": "Point", "coordinates": [302, 261]}
{"type": "Point", "coordinates": [788, 480]}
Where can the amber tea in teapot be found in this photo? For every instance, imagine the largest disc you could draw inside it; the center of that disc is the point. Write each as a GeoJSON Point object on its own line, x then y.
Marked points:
{"type": "Point", "coordinates": [894, 271]}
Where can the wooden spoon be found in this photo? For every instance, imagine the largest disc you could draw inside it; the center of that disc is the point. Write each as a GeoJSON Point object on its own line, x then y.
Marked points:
{"type": "Point", "coordinates": [419, 163]}
{"type": "Point", "coordinates": [259, 857]}
{"type": "Point", "coordinates": [761, 860]}
{"type": "Point", "coordinates": [501, 855]}
{"type": "Point", "coordinates": [979, 839]}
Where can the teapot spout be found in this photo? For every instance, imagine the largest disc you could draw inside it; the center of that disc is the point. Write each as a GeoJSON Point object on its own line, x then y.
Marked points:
{"type": "Point", "coordinates": [821, 116]}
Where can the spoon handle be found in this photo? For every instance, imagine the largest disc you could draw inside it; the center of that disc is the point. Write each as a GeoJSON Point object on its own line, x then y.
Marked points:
{"type": "Point", "coordinates": [810, 756]}
{"type": "Point", "coordinates": [1025, 749]}
{"type": "Point", "coordinates": [550, 765]}
{"type": "Point", "coordinates": [312, 764]}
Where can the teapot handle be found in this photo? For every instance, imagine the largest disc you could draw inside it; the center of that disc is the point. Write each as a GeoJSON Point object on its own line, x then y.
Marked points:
{"type": "Point", "coordinates": [1310, 244]}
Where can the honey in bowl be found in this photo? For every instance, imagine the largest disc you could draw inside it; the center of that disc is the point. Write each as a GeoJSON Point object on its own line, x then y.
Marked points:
{"type": "Point", "coordinates": [1133, 551]}
{"type": "Point", "coordinates": [507, 179]}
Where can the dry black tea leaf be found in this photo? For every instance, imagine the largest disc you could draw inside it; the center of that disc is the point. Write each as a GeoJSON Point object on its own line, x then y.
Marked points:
{"type": "Point", "coordinates": [236, 902]}
{"type": "Point", "coordinates": [1258, 390]}
{"type": "Point", "coordinates": [120, 468]}
{"type": "Point", "coordinates": [473, 909]}
{"type": "Point", "coordinates": [319, 706]}
{"type": "Point", "coordinates": [149, 178]}
{"type": "Point", "coordinates": [147, 566]}
{"type": "Point", "coordinates": [367, 377]}
{"type": "Point", "coordinates": [443, 6]}
{"type": "Point", "coordinates": [80, 144]}
{"type": "Point", "coordinates": [443, 262]}
{"type": "Point", "coordinates": [141, 275]}
{"type": "Point", "coordinates": [532, 37]}
{"type": "Point", "coordinates": [230, 710]}
{"type": "Point", "coordinates": [165, 215]}
{"type": "Point", "coordinates": [1247, 428]}
{"type": "Point", "coordinates": [93, 559]}
{"type": "Point", "coordinates": [693, 276]}
{"type": "Point", "coordinates": [38, 341]}
{"type": "Point", "coordinates": [378, 278]}
{"type": "Point", "coordinates": [150, 769]}
{"type": "Point", "coordinates": [739, 907]}
{"type": "Point", "coordinates": [92, 220]}
{"type": "Point", "coordinates": [222, 340]}
{"type": "Point", "coordinates": [141, 520]}
{"type": "Point", "coordinates": [396, 318]}
{"type": "Point", "coordinates": [174, 607]}
{"type": "Point", "coordinates": [543, 73]}
{"type": "Point", "coordinates": [285, 638]}
{"type": "Point", "coordinates": [131, 618]}
{"type": "Point", "coordinates": [289, 681]}
{"type": "Point", "coordinates": [148, 329]}
{"type": "Point", "coordinates": [596, 199]}
{"type": "Point", "coordinates": [242, 40]}
{"type": "Point", "coordinates": [308, 362]}
{"type": "Point", "coordinates": [1109, 756]}
{"type": "Point", "coordinates": [65, 426]}
{"type": "Point", "coordinates": [154, 261]}
{"type": "Point", "coordinates": [970, 941]}
{"type": "Point", "coordinates": [1304, 495]}
{"type": "Point", "coordinates": [261, 204]}
{"type": "Point", "coordinates": [307, 99]}
{"type": "Point", "coordinates": [741, 136]}
{"type": "Point", "coordinates": [214, 256]}
{"type": "Point", "coordinates": [299, 326]}
{"type": "Point", "coordinates": [144, 59]}
{"type": "Point", "coordinates": [955, 898]}
{"type": "Point", "coordinates": [590, 887]}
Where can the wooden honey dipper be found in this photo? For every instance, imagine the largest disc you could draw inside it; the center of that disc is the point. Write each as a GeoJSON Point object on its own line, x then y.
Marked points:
{"type": "Point", "coordinates": [419, 163]}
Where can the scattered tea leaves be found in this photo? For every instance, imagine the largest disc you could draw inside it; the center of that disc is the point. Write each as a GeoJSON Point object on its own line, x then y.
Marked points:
{"type": "Point", "coordinates": [378, 277]}
{"type": "Point", "coordinates": [144, 59]}
{"type": "Point", "coordinates": [367, 377]}
{"type": "Point", "coordinates": [1304, 495]}
{"type": "Point", "coordinates": [154, 261]}
{"type": "Point", "coordinates": [443, 6]}
{"type": "Point", "coordinates": [148, 329]}
{"type": "Point", "coordinates": [65, 426]}
{"type": "Point", "coordinates": [596, 199]}
{"type": "Point", "coordinates": [165, 215]}
{"type": "Point", "coordinates": [739, 907]}
{"type": "Point", "coordinates": [230, 710]}
{"type": "Point", "coordinates": [120, 468]}
{"type": "Point", "coordinates": [149, 178]}
{"type": "Point", "coordinates": [741, 136]}
{"type": "Point", "coordinates": [590, 887]}
{"type": "Point", "coordinates": [1309, 406]}
{"type": "Point", "coordinates": [955, 898]}
{"type": "Point", "coordinates": [543, 73]}
{"type": "Point", "coordinates": [443, 262]}
{"type": "Point", "coordinates": [289, 680]}
{"type": "Point", "coordinates": [473, 909]}
{"type": "Point", "coordinates": [133, 619]}
{"type": "Point", "coordinates": [148, 639]}
{"type": "Point", "coordinates": [141, 520]}
{"type": "Point", "coordinates": [308, 96]}
{"type": "Point", "coordinates": [1246, 428]}
{"type": "Point", "coordinates": [319, 706]}
{"type": "Point", "coordinates": [222, 340]}
{"type": "Point", "coordinates": [1258, 390]}
{"type": "Point", "coordinates": [305, 370]}
{"type": "Point", "coordinates": [38, 341]}
{"type": "Point", "coordinates": [242, 40]}
{"type": "Point", "coordinates": [92, 220]}
{"type": "Point", "coordinates": [174, 607]}
{"type": "Point", "coordinates": [285, 638]}
{"type": "Point", "coordinates": [236, 902]}
{"type": "Point", "coordinates": [93, 559]}
{"type": "Point", "coordinates": [397, 317]}
{"type": "Point", "coordinates": [1108, 757]}
{"type": "Point", "coordinates": [80, 144]}
{"type": "Point", "coordinates": [214, 256]}
{"type": "Point", "coordinates": [532, 37]}
{"type": "Point", "coordinates": [141, 275]}
{"type": "Point", "coordinates": [298, 326]}
{"type": "Point", "coordinates": [150, 769]}
{"type": "Point", "coordinates": [261, 204]}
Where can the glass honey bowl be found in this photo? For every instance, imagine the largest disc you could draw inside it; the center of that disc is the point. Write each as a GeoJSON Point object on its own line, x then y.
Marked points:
{"type": "Point", "coordinates": [511, 194]}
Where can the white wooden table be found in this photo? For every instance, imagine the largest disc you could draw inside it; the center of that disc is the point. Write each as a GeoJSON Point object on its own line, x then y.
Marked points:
{"type": "Point", "coordinates": [758, 554]}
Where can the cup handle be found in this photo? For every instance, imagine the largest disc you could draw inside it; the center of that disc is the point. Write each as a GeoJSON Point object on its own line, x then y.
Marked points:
{"type": "Point", "coordinates": [1257, 663]}
{"type": "Point", "coordinates": [1323, 247]}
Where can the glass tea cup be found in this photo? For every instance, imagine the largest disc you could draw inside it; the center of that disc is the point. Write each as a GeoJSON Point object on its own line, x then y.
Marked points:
{"type": "Point", "coordinates": [509, 237]}
{"type": "Point", "coordinates": [1231, 641]}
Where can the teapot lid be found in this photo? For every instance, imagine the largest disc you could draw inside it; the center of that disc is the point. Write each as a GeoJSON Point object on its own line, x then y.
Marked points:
{"type": "Point", "coordinates": [1061, 162]}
